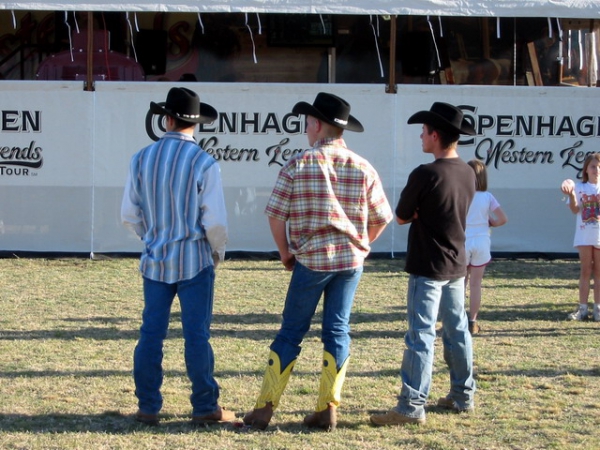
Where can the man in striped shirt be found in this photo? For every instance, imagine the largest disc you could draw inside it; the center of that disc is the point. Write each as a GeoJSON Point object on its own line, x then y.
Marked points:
{"type": "Point", "coordinates": [331, 203]}
{"type": "Point", "coordinates": [174, 202]}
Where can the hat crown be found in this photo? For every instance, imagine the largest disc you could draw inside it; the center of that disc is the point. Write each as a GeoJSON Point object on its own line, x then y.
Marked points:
{"type": "Point", "coordinates": [333, 107]}
{"type": "Point", "coordinates": [448, 112]}
{"type": "Point", "coordinates": [330, 109]}
{"type": "Point", "coordinates": [444, 117]}
{"type": "Point", "coordinates": [183, 103]}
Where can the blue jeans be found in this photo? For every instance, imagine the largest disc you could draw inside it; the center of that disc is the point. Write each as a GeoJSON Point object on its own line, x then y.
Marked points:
{"type": "Point", "coordinates": [427, 297]}
{"type": "Point", "coordinates": [304, 292]}
{"type": "Point", "coordinates": [196, 300]}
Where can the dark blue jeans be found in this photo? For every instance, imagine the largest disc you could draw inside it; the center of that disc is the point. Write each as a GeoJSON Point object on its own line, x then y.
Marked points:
{"type": "Point", "coordinates": [304, 292]}
{"type": "Point", "coordinates": [196, 300]}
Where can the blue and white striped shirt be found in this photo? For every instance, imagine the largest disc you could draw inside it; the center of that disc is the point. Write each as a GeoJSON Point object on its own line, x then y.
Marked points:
{"type": "Point", "coordinates": [174, 201]}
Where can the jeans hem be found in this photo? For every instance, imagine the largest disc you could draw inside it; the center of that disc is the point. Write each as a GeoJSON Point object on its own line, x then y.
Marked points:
{"type": "Point", "coordinates": [412, 415]}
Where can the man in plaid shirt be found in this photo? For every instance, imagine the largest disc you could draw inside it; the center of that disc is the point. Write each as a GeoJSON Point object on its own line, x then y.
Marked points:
{"type": "Point", "coordinates": [331, 203]}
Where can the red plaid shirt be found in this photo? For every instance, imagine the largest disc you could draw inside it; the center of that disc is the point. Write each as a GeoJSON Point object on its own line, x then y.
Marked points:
{"type": "Point", "coordinates": [329, 196]}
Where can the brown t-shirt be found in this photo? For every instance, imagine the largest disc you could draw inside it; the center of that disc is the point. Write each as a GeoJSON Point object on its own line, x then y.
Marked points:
{"type": "Point", "coordinates": [440, 193]}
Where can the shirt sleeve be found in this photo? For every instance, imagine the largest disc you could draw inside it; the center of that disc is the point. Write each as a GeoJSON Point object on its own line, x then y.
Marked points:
{"type": "Point", "coordinates": [278, 206]}
{"type": "Point", "coordinates": [494, 205]}
{"type": "Point", "coordinates": [131, 213]}
{"type": "Point", "coordinates": [214, 212]}
{"type": "Point", "coordinates": [380, 211]}
{"type": "Point", "coordinates": [409, 198]}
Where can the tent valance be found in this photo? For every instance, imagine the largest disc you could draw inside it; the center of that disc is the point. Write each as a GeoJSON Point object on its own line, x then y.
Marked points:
{"type": "Point", "coordinates": [580, 9]}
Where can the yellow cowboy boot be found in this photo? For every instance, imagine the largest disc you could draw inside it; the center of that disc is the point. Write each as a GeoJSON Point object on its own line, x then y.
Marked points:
{"type": "Point", "coordinates": [274, 383]}
{"type": "Point", "coordinates": [330, 390]}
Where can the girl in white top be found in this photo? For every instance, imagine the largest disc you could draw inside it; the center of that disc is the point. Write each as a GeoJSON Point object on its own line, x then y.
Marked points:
{"type": "Point", "coordinates": [584, 200]}
{"type": "Point", "coordinates": [484, 212]}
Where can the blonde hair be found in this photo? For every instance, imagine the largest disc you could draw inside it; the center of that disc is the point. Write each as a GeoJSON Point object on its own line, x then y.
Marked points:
{"type": "Point", "coordinates": [588, 159]}
{"type": "Point", "coordinates": [480, 174]}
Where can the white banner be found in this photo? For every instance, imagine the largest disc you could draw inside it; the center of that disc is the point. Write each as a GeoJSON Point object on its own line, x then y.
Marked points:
{"type": "Point", "coordinates": [252, 139]}
{"type": "Point", "coordinates": [46, 161]}
{"type": "Point", "coordinates": [484, 8]}
{"type": "Point", "coordinates": [65, 154]}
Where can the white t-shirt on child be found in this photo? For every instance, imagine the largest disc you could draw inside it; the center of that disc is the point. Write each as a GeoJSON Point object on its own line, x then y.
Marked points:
{"type": "Point", "coordinates": [587, 227]}
{"type": "Point", "coordinates": [478, 217]}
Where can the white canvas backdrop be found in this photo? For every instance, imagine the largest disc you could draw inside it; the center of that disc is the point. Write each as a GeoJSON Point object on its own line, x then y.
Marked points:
{"type": "Point", "coordinates": [531, 138]}
{"type": "Point", "coordinates": [256, 117]}
{"type": "Point", "coordinates": [485, 8]}
{"type": "Point", "coordinates": [48, 207]}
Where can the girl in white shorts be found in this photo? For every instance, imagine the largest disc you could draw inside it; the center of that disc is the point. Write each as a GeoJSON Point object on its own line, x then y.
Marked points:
{"type": "Point", "coordinates": [584, 200]}
{"type": "Point", "coordinates": [484, 212]}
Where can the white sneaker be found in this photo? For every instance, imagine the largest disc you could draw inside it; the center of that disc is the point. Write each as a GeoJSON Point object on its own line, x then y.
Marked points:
{"type": "Point", "coordinates": [581, 313]}
{"type": "Point", "coordinates": [596, 312]}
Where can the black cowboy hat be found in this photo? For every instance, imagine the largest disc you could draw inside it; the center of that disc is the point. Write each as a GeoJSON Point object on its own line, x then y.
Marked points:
{"type": "Point", "coordinates": [444, 117]}
{"type": "Point", "coordinates": [184, 104]}
{"type": "Point", "coordinates": [331, 109]}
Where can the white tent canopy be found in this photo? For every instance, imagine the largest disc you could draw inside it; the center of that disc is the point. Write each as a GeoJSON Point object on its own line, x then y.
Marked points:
{"type": "Point", "coordinates": [580, 9]}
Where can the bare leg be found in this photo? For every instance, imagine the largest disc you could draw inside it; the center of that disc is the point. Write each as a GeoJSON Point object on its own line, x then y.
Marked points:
{"type": "Point", "coordinates": [586, 258]}
{"type": "Point", "coordinates": [596, 274]}
{"type": "Point", "coordinates": [476, 278]}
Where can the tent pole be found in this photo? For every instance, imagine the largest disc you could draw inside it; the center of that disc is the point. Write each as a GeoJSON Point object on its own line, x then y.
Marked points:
{"type": "Point", "coordinates": [391, 88]}
{"type": "Point", "coordinates": [89, 79]}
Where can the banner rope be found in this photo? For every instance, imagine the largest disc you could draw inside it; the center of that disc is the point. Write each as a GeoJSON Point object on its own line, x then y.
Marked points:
{"type": "Point", "coordinates": [376, 45]}
{"type": "Point", "coordinates": [252, 39]}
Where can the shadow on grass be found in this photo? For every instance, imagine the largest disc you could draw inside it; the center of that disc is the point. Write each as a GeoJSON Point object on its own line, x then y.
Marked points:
{"type": "Point", "coordinates": [514, 268]}
{"type": "Point", "coordinates": [572, 285]}
{"type": "Point", "coordinates": [110, 422]}
{"type": "Point", "coordinates": [219, 374]}
{"type": "Point", "coordinates": [541, 373]}
{"type": "Point", "coordinates": [553, 312]}
{"type": "Point", "coordinates": [530, 269]}
{"type": "Point", "coordinates": [539, 332]}
{"type": "Point", "coordinates": [113, 422]}
{"type": "Point", "coordinates": [219, 327]}
{"type": "Point", "coordinates": [105, 334]}
{"type": "Point", "coordinates": [101, 319]}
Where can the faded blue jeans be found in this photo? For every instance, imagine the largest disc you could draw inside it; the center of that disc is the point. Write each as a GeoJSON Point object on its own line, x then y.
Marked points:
{"type": "Point", "coordinates": [304, 291]}
{"type": "Point", "coordinates": [426, 297]}
{"type": "Point", "coordinates": [196, 300]}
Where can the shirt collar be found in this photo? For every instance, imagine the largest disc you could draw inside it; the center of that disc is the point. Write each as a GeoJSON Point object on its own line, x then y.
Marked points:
{"type": "Point", "coordinates": [179, 135]}
{"type": "Point", "coordinates": [329, 141]}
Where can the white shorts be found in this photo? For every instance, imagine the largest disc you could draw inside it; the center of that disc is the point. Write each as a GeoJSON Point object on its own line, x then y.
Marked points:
{"type": "Point", "coordinates": [478, 251]}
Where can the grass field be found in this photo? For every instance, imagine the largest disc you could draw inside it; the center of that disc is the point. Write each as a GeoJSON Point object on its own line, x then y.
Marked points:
{"type": "Point", "coordinates": [69, 326]}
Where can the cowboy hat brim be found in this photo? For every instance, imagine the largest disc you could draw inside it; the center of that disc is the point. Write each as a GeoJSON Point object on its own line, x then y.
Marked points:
{"type": "Point", "coordinates": [441, 123]}
{"type": "Point", "coordinates": [208, 114]}
{"type": "Point", "coordinates": [309, 110]}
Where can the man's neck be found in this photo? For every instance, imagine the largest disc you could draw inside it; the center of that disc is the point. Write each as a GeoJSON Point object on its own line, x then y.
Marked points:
{"type": "Point", "coordinates": [448, 153]}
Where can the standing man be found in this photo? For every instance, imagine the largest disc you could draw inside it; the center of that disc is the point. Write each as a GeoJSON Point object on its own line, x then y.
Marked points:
{"type": "Point", "coordinates": [174, 202]}
{"type": "Point", "coordinates": [331, 203]}
{"type": "Point", "coordinates": [435, 202]}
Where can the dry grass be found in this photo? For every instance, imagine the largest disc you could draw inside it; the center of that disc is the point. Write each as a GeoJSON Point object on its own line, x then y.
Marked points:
{"type": "Point", "coordinates": [68, 329]}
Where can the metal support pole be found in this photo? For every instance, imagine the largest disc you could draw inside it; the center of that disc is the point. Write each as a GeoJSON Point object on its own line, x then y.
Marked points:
{"type": "Point", "coordinates": [89, 79]}
{"type": "Point", "coordinates": [391, 87]}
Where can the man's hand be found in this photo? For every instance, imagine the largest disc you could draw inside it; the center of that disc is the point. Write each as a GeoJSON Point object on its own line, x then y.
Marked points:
{"type": "Point", "coordinates": [289, 261]}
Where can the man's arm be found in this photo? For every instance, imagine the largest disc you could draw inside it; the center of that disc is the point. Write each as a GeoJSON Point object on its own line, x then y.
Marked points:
{"type": "Point", "coordinates": [375, 231]}
{"type": "Point", "coordinates": [131, 213]}
{"type": "Point", "coordinates": [404, 222]}
{"type": "Point", "coordinates": [279, 232]}
{"type": "Point", "coordinates": [214, 213]}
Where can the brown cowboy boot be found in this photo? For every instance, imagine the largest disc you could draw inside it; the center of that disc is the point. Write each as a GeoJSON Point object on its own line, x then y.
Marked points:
{"type": "Point", "coordinates": [326, 420]}
{"type": "Point", "coordinates": [259, 418]}
{"type": "Point", "coordinates": [330, 390]}
{"type": "Point", "coordinates": [274, 383]}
